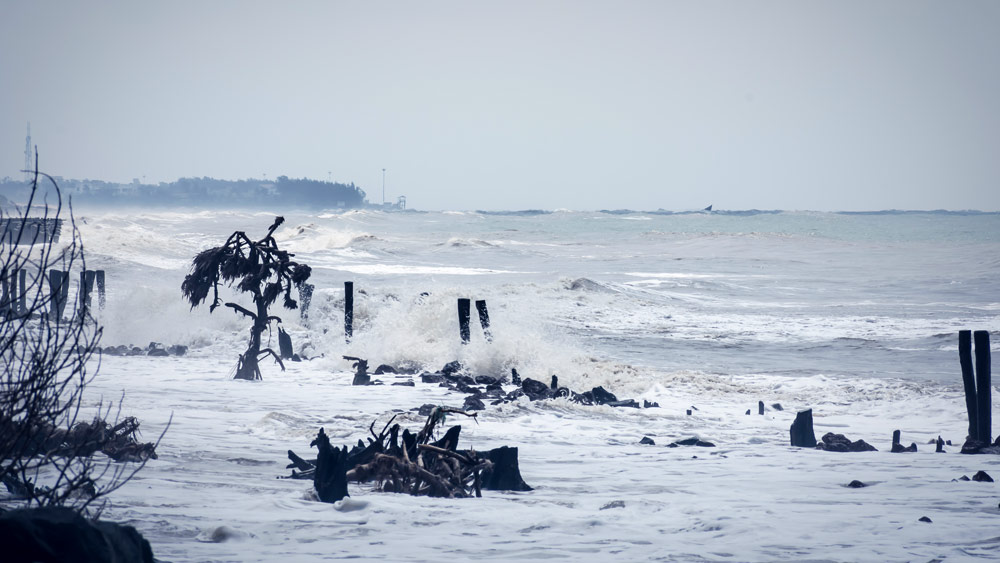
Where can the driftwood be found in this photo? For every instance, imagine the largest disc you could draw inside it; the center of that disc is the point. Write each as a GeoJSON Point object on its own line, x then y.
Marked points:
{"type": "Point", "coordinates": [397, 460]}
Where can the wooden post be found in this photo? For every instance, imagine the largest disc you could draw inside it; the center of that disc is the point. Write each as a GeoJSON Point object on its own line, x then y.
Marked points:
{"type": "Point", "coordinates": [58, 287]}
{"type": "Point", "coordinates": [802, 430]}
{"type": "Point", "coordinates": [22, 292]}
{"type": "Point", "coordinates": [983, 389]}
{"type": "Point", "coordinates": [760, 407]}
{"type": "Point", "coordinates": [86, 288]}
{"type": "Point", "coordinates": [348, 310]}
{"type": "Point", "coordinates": [484, 319]}
{"type": "Point", "coordinates": [464, 306]}
{"type": "Point", "coordinates": [101, 295]}
{"type": "Point", "coordinates": [5, 295]}
{"type": "Point", "coordinates": [968, 380]}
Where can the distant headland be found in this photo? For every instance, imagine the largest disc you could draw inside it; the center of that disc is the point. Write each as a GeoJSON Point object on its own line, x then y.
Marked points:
{"type": "Point", "coordinates": [282, 192]}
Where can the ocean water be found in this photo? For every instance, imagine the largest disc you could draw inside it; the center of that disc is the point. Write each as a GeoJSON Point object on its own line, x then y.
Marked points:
{"type": "Point", "coordinates": [853, 315]}
{"type": "Point", "coordinates": [789, 293]}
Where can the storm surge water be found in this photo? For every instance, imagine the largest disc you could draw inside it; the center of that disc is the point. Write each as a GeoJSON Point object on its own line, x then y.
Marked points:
{"type": "Point", "coordinates": [854, 315]}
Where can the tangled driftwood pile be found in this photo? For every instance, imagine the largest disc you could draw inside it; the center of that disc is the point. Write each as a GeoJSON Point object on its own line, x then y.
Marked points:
{"type": "Point", "coordinates": [399, 461]}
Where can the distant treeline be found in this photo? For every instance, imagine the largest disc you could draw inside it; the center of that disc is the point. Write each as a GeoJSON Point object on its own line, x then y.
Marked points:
{"type": "Point", "coordinates": [202, 192]}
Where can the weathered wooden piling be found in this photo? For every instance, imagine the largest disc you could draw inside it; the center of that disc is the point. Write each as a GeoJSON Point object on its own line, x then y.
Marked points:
{"type": "Point", "coordinates": [87, 278]}
{"type": "Point", "coordinates": [348, 310]}
{"type": "Point", "coordinates": [464, 312]}
{"type": "Point", "coordinates": [5, 293]}
{"type": "Point", "coordinates": [968, 380]}
{"type": "Point", "coordinates": [58, 293]}
{"type": "Point", "coordinates": [22, 292]}
{"type": "Point", "coordinates": [484, 319]}
{"type": "Point", "coordinates": [984, 421]}
{"type": "Point", "coordinates": [102, 297]}
{"type": "Point", "coordinates": [760, 407]}
{"type": "Point", "coordinates": [802, 430]}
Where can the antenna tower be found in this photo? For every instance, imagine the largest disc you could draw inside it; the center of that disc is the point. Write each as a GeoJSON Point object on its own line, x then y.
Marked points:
{"type": "Point", "coordinates": [27, 155]}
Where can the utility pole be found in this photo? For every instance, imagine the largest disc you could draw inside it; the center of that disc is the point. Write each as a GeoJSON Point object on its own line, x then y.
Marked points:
{"type": "Point", "coordinates": [27, 155]}
{"type": "Point", "coordinates": [383, 186]}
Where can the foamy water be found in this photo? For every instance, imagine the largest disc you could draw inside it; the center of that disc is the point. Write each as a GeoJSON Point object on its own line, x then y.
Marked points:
{"type": "Point", "coordinates": [854, 316]}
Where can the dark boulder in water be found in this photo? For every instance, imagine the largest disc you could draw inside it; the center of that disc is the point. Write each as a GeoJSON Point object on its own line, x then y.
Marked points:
{"type": "Point", "coordinates": [982, 477]}
{"type": "Point", "coordinates": [840, 443]}
{"type": "Point", "coordinates": [431, 377]}
{"type": "Point", "coordinates": [602, 396]}
{"type": "Point", "coordinates": [452, 368]}
{"type": "Point", "coordinates": [473, 403]}
{"type": "Point", "coordinates": [646, 440]}
{"type": "Point", "coordinates": [855, 484]}
{"type": "Point", "coordinates": [535, 390]}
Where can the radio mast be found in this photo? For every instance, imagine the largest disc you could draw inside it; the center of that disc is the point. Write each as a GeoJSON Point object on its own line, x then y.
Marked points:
{"type": "Point", "coordinates": [28, 165]}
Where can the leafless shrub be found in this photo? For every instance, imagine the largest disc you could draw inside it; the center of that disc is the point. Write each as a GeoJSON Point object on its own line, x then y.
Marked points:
{"type": "Point", "coordinates": [47, 445]}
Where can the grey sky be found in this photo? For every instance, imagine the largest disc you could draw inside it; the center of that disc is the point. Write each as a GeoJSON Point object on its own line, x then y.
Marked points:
{"type": "Point", "coordinates": [514, 105]}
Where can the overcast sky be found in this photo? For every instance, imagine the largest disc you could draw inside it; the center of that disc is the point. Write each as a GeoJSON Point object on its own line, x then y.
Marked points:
{"type": "Point", "coordinates": [516, 105]}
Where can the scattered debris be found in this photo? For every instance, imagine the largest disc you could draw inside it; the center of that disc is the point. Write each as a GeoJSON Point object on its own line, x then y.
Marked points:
{"type": "Point", "coordinates": [397, 460]}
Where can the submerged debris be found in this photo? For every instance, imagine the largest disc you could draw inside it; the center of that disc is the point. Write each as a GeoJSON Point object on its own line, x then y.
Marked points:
{"type": "Point", "coordinates": [399, 461]}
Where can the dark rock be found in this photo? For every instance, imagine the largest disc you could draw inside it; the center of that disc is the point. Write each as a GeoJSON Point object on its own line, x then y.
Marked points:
{"type": "Point", "coordinates": [56, 534]}
{"type": "Point", "coordinates": [452, 368]}
{"type": "Point", "coordinates": [177, 350]}
{"type": "Point", "coordinates": [777, 407]}
{"type": "Point", "coordinates": [748, 411]}
{"type": "Point", "coordinates": [925, 519]}
{"type": "Point", "coordinates": [515, 394]}
{"type": "Point", "coordinates": [296, 358]}
{"type": "Point", "coordinates": [136, 351]}
{"type": "Point", "coordinates": [855, 484]}
{"type": "Point", "coordinates": [900, 448]}
{"type": "Point", "coordinates": [486, 380]}
{"type": "Point", "coordinates": [650, 404]}
{"type": "Point", "coordinates": [646, 440]}
{"type": "Point", "coordinates": [982, 477]}
{"type": "Point", "coordinates": [515, 378]}
{"type": "Point", "coordinates": [384, 368]}
{"type": "Point", "coordinates": [426, 409]}
{"type": "Point", "coordinates": [964, 478]}
{"type": "Point", "coordinates": [473, 403]}
{"type": "Point", "coordinates": [613, 504]}
{"type": "Point", "coordinates": [689, 412]}
{"type": "Point", "coordinates": [760, 407]}
{"type": "Point", "coordinates": [114, 350]}
{"type": "Point", "coordinates": [158, 352]}
{"type": "Point", "coordinates": [626, 403]}
{"type": "Point", "coordinates": [405, 384]}
{"type": "Point", "coordinates": [534, 389]}
{"type": "Point", "coordinates": [802, 430]}
{"type": "Point", "coordinates": [840, 443]}
{"type": "Point", "coordinates": [602, 396]}
{"type": "Point", "coordinates": [692, 442]}
{"type": "Point", "coordinates": [940, 445]}
{"type": "Point", "coordinates": [554, 384]}
{"type": "Point", "coordinates": [431, 377]}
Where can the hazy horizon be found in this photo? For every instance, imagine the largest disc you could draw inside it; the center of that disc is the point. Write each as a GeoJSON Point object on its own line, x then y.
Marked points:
{"type": "Point", "coordinates": [578, 105]}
